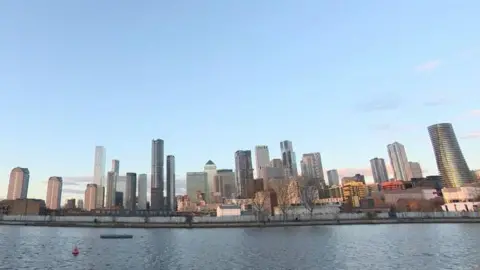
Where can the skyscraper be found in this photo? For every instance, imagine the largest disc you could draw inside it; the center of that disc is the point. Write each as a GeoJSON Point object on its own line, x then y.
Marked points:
{"type": "Point", "coordinates": [170, 183]}
{"type": "Point", "coordinates": [111, 189]}
{"type": "Point", "coordinates": [450, 161]}
{"type": "Point", "coordinates": [379, 170]}
{"type": "Point", "coordinates": [142, 191]}
{"type": "Point", "coordinates": [333, 178]}
{"type": "Point", "coordinates": [399, 161]}
{"type": "Point", "coordinates": [196, 186]}
{"type": "Point", "coordinates": [90, 197]}
{"type": "Point", "coordinates": [312, 167]}
{"type": "Point", "coordinates": [80, 204]}
{"type": "Point", "coordinates": [99, 174]}
{"type": "Point", "coordinates": [54, 193]}
{"type": "Point", "coordinates": [116, 166]}
{"type": "Point", "coordinates": [131, 191]}
{"type": "Point", "coordinates": [262, 158]}
{"type": "Point", "coordinates": [276, 163]}
{"type": "Point", "coordinates": [288, 159]}
{"type": "Point", "coordinates": [225, 183]}
{"type": "Point", "coordinates": [416, 169]}
{"type": "Point", "coordinates": [18, 184]}
{"type": "Point", "coordinates": [243, 171]}
{"type": "Point", "coordinates": [156, 189]}
{"type": "Point", "coordinates": [211, 169]}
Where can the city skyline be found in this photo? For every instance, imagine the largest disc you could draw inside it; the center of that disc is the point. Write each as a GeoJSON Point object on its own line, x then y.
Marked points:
{"type": "Point", "coordinates": [353, 74]}
{"type": "Point", "coordinates": [115, 167]}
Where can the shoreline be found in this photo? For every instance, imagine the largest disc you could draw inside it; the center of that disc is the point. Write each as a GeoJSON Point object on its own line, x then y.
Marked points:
{"type": "Point", "coordinates": [127, 225]}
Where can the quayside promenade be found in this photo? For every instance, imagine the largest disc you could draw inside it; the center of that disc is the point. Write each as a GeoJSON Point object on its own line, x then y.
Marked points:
{"type": "Point", "coordinates": [238, 221]}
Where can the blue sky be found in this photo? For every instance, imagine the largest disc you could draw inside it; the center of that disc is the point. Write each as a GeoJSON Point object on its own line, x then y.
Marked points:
{"type": "Point", "coordinates": [343, 78]}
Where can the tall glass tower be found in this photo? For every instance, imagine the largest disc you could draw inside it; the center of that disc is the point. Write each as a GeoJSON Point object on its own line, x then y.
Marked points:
{"type": "Point", "coordinates": [99, 175]}
{"type": "Point", "coordinates": [450, 161]}
{"type": "Point", "coordinates": [156, 188]}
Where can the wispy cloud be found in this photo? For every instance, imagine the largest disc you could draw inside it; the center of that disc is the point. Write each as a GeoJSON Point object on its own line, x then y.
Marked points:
{"type": "Point", "coordinates": [72, 191]}
{"type": "Point", "coordinates": [472, 135]}
{"type": "Point", "coordinates": [436, 102]}
{"type": "Point", "coordinates": [475, 113]}
{"type": "Point", "coordinates": [428, 66]}
{"type": "Point", "coordinates": [390, 127]}
{"type": "Point", "coordinates": [381, 127]}
{"type": "Point", "coordinates": [469, 114]}
{"type": "Point", "coordinates": [385, 103]}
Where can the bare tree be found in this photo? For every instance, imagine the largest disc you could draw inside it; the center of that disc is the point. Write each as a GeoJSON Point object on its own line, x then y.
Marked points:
{"type": "Point", "coordinates": [281, 187]}
{"type": "Point", "coordinates": [309, 195]}
{"type": "Point", "coordinates": [258, 205]}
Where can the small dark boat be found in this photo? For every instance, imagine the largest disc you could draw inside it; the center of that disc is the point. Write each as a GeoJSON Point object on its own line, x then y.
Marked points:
{"type": "Point", "coordinates": [116, 236]}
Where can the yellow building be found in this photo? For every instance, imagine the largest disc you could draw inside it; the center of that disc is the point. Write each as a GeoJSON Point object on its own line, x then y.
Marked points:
{"type": "Point", "coordinates": [353, 192]}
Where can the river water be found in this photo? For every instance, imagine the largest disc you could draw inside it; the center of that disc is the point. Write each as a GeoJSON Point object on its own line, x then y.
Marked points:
{"type": "Point", "coordinates": [400, 246]}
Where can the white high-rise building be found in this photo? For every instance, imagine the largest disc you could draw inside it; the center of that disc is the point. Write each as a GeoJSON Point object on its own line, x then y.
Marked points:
{"type": "Point", "coordinates": [99, 175]}
{"type": "Point", "coordinates": [399, 161]}
{"type": "Point", "coordinates": [211, 170]}
{"type": "Point", "coordinates": [142, 191]}
{"type": "Point", "coordinates": [416, 169]}
{"type": "Point", "coordinates": [288, 159]}
{"type": "Point", "coordinates": [379, 170]}
{"type": "Point", "coordinates": [312, 166]}
{"type": "Point", "coordinates": [54, 193]}
{"type": "Point", "coordinates": [262, 158]}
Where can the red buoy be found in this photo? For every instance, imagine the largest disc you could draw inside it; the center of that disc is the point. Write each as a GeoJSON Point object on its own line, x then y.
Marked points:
{"type": "Point", "coordinates": [75, 251]}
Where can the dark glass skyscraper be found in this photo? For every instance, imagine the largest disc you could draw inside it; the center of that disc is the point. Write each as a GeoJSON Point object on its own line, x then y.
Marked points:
{"type": "Point", "coordinates": [450, 161]}
{"type": "Point", "coordinates": [171, 184]}
{"type": "Point", "coordinates": [243, 171]}
{"type": "Point", "coordinates": [156, 188]}
{"type": "Point", "coordinates": [131, 191]}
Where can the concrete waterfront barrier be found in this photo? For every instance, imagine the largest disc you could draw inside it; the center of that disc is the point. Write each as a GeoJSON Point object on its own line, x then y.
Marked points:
{"type": "Point", "coordinates": [237, 221]}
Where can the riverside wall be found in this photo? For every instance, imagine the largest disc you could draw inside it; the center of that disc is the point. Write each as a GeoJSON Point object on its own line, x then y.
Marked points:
{"type": "Point", "coordinates": [238, 221]}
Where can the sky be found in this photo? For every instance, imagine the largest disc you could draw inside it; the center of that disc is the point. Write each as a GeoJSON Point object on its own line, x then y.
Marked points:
{"type": "Point", "coordinates": [343, 78]}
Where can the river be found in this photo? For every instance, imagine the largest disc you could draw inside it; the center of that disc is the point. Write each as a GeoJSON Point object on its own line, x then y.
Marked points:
{"type": "Point", "coordinates": [399, 246]}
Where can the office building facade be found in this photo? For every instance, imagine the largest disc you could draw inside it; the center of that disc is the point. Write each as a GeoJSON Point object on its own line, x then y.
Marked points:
{"type": "Point", "coordinates": [99, 174]}
{"type": "Point", "coordinates": [54, 193]}
{"type": "Point", "coordinates": [451, 163]}
{"type": "Point", "coordinates": [243, 172]}
{"type": "Point", "coordinates": [312, 168]}
{"type": "Point", "coordinates": [171, 200]}
{"type": "Point", "coordinates": [399, 161]}
{"type": "Point", "coordinates": [333, 177]}
{"type": "Point", "coordinates": [262, 158]}
{"type": "Point", "coordinates": [111, 189]}
{"type": "Point", "coordinates": [90, 200]}
{"type": "Point", "coordinates": [379, 170]}
{"type": "Point", "coordinates": [18, 183]}
{"type": "Point", "coordinates": [157, 178]}
{"type": "Point", "coordinates": [197, 186]}
{"type": "Point", "coordinates": [288, 159]}
{"type": "Point", "coordinates": [416, 169]}
{"type": "Point", "coordinates": [142, 191]}
{"type": "Point", "coordinates": [131, 192]}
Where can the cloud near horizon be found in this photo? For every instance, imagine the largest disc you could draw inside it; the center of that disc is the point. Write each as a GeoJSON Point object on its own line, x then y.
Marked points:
{"type": "Point", "coordinates": [475, 112]}
{"type": "Point", "coordinates": [385, 103]}
{"type": "Point", "coordinates": [436, 102]}
{"type": "Point", "coordinates": [428, 66]}
{"type": "Point", "coordinates": [472, 135]}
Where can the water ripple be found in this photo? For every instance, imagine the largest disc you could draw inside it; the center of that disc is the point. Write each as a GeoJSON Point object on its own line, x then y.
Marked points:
{"type": "Point", "coordinates": [403, 246]}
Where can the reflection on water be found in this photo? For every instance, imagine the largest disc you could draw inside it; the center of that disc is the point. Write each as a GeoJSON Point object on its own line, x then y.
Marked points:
{"type": "Point", "coordinates": [405, 246]}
